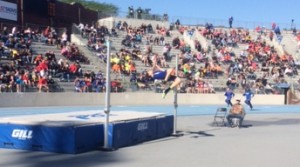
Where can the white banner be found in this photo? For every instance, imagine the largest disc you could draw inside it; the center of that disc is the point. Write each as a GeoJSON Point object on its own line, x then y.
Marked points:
{"type": "Point", "coordinates": [8, 11]}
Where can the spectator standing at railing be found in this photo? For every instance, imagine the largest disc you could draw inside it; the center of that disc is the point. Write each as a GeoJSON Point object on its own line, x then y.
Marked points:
{"type": "Point", "coordinates": [230, 21]}
{"type": "Point", "coordinates": [131, 11]}
{"type": "Point", "coordinates": [292, 24]}
{"type": "Point", "coordinates": [139, 13]}
{"type": "Point", "coordinates": [166, 17]}
{"type": "Point", "coordinates": [177, 24]}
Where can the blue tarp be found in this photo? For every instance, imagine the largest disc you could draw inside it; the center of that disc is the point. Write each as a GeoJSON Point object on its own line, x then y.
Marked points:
{"type": "Point", "coordinates": [65, 139]}
{"type": "Point", "coordinates": [123, 134]}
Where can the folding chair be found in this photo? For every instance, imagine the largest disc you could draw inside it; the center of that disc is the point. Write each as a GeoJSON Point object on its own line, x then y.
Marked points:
{"type": "Point", "coordinates": [219, 118]}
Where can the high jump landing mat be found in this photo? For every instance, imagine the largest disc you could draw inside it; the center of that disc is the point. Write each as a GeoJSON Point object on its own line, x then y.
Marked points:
{"type": "Point", "coordinates": [82, 131]}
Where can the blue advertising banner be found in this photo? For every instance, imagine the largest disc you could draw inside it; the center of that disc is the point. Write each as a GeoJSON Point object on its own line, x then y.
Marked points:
{"type": "Point", "coordinates": [66, 139]}
{"type": "Point", "coordinates": [164, 126]}
{"type": "Point", "coordinates": [126, 133]}
{"type": "Point", "coordinates": [78, 132]}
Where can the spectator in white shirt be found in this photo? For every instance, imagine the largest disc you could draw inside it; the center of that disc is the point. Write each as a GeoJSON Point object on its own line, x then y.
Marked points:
{"type": "Point", "coordinates": [288, 71]}
{"type": "Point", "coordinates": [64, 38]}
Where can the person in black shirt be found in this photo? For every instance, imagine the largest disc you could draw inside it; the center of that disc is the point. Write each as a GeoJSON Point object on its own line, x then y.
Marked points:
{"type": "Point", "coordinates": [131, 12]}
{"type": "Point", "coordinates": [139, 13]}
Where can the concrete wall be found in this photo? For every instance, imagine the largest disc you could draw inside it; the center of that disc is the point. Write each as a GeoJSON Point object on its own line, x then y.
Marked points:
{"type": "Point", "coordinates": [201, 39]}
{"type": "Point", "coordinates": [111, 21]}
{"type": "Point", "coordinates": [75, 39]}
{"type": "Point", "coordinates": [84, 99]}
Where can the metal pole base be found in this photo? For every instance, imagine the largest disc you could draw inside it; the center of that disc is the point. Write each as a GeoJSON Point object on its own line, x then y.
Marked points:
{"type": "Point", "coordinates": [107, 149]}
{"type": "Point", "coordinates": [177, 134]}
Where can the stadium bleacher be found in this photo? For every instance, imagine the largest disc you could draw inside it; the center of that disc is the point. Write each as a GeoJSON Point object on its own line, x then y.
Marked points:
{"type": "Point", "coordinates": [211, 54]}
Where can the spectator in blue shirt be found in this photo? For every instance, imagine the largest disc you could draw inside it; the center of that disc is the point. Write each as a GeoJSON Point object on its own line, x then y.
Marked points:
{"type": "Point", "coordinates": [248, 94]}
{"type": "Point", "coordinates": [229, 95]}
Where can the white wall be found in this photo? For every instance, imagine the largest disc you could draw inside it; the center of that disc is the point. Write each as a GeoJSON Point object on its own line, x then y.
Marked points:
{"type": "Point", "coordinates": [82, 99]}
{"type": "Point", "coordinates": [111, 21]}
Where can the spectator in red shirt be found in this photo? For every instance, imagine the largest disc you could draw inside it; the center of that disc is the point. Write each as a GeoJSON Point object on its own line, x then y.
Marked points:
{"type": "Point", "coordinates": [26, 79]}
{"type": "Point", "coordinates": [73, 69]}
{"type": "Point", "coordinates": [43, 83]}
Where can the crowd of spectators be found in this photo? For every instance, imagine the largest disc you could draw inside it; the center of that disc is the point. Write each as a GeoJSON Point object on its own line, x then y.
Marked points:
{"type": "Point", "coordinates": [137, 46]}
{"type": "Point", "coordinates": [23, 69]}
{"type": "Point", "coordinates": [16, 57]}
{"type": "Point", "coordinates": [259, 66]}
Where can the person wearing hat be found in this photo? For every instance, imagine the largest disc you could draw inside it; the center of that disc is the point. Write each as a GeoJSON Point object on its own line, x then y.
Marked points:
{"type": "Point", "coordinates": [236, 111]}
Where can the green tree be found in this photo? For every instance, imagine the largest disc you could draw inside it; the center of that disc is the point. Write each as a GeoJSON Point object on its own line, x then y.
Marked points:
{"type": "Point", "coordinates": [104, 8]}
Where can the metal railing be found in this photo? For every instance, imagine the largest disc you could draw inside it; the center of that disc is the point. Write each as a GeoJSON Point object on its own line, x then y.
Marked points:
{"type": "Point", "coordinates": [224, 23]}
{"type": "Point", "coordinates": [144, 16]}
{"type": "Point", "coordinates": [201, 21]}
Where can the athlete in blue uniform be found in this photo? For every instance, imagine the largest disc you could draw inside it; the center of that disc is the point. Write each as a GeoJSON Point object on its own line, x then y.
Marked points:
{"type": "Point", "coordinates": [158, 73]}
{"type": "Point", "coordinates": [229, 95]}
{"type": "Point", "coordinates": [248, 94]}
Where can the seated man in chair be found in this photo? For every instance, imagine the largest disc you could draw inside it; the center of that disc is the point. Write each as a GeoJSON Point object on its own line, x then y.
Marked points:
{"type": "Point", "coordinates": [237, 111]}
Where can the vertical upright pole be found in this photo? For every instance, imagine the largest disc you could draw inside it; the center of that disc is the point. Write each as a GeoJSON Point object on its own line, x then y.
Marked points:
{"type": "Point", "coordinates": [22, 13]}
{"type": "Point", "coordinates": [107, 96]}
{"type": "Point", "coordinates": [175, 100]}
{"type": "Point", "coordinates": [79, 15]}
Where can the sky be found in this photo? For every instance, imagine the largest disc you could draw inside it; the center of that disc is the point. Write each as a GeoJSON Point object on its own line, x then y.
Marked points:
{"type": "Point", "coordinates": [245, 12]}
